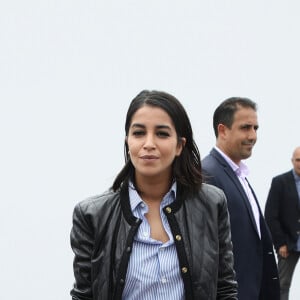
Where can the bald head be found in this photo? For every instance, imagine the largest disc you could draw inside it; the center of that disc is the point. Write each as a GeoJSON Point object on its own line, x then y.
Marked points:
{"type": "Point", "coordinates": [296, 160]}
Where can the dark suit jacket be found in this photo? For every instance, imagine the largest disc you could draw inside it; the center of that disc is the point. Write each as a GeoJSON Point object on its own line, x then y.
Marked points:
{"type": "Point", "coordinates": [254, 259]}
{"type": "Point", "coordinates": [282, 211]}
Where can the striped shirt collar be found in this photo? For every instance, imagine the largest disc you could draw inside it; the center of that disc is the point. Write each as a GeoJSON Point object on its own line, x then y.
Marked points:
{"type": "Point", "coordinates": [135, 198]}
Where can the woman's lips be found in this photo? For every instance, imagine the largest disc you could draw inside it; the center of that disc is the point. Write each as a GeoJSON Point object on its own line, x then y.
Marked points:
{"type": "Point", "coordinates": [148, 157]}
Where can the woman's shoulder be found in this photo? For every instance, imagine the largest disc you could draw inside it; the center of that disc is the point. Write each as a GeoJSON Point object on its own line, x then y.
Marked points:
{"type": "Point", "coordinates": [212, 193]}
{"type": "Point", "coordinates": [91, 215]}
{"type": "Point", "coordinates": [94, 204]}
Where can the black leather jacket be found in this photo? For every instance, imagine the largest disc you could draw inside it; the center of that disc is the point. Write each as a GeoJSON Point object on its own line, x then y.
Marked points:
{"type": "Point", "coordinates": [102, 237]}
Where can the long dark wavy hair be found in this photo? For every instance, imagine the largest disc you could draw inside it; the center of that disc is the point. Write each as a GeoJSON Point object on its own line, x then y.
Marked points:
{"type": "Point", "coordinates": [186, 167]}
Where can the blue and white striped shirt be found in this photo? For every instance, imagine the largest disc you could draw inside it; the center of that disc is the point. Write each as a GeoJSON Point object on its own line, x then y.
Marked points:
{"type": "Point", "coordinates": [153, 270]}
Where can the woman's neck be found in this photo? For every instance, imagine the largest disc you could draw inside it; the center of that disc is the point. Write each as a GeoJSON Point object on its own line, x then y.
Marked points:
{"type": "Point", "coordinates": [152, 190]}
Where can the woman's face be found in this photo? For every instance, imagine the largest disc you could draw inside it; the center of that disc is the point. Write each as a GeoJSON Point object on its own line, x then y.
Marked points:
{"type": "Point", "coordinates": [152, 142]}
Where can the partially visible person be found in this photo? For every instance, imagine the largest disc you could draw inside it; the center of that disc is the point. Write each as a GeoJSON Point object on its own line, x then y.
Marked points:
{"type": "Point", "coordinates": [159, 232]}
{"type": "Point", "coordinates": [282, 213]}
{"type": "Point", "coordinates": [235, 125]}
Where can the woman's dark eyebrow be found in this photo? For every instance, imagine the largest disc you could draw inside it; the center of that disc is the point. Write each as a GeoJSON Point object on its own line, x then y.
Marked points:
{"type": "Point", "coordinates": [138, 125]}
{"type": "Point", "coordinates": [158, 126]}
{"type": "Point", "coordinates": [163, 127]}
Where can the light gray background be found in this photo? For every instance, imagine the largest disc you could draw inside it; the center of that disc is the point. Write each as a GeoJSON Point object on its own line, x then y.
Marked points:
{"type": "Point", "coordinates": [68, 71]}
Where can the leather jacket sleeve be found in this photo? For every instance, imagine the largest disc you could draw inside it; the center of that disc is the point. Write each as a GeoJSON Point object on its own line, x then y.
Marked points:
{"type": "Point", "coordinates": [82, 245]}
{"type": "Point", "coordinates": [227, 286]}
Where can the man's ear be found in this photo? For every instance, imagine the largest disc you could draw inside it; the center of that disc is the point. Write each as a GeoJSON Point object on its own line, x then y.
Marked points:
{"type": "Point", "coordinates": [221, 129]}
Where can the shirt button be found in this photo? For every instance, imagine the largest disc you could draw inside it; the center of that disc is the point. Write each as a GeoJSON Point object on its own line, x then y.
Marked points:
{"type": "Point", "coordinates": [145, 234]}
{"type": "Point", "coordinates": [164, 280]}
{"type": "Point", "coordinates": [168, 210]}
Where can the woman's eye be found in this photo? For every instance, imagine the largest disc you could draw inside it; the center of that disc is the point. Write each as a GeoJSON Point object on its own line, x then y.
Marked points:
{"type": "Point", "coordinates": [163, 134]}
{"type": "Point", "coordinates": [138, 133]}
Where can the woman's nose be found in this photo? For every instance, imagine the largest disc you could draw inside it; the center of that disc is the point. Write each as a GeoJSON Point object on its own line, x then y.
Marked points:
{"type": "Point", "coordinates": [149, 141]}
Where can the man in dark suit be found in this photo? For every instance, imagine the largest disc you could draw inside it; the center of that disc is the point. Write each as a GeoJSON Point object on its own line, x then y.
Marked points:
{"type": "Point", "coordinates": [282, 214]}
{"type": "Point", "coordinates": [235, 125]}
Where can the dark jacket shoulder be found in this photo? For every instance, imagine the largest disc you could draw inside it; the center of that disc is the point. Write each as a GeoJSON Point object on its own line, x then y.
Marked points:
{"type": "Point", "coordinates": [212, 193]}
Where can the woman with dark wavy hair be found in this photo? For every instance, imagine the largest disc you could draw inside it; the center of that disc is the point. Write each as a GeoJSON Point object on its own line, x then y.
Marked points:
{"type": "Point", "coordinates": [158, 232]}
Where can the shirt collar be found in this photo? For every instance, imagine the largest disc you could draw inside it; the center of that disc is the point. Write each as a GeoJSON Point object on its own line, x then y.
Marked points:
{"type": "Point", "coordinates": [241, 169]}
{"type": "Point", "coordinates": [296, 176]}
{"type": "Point", "coordinates": [135, 198]}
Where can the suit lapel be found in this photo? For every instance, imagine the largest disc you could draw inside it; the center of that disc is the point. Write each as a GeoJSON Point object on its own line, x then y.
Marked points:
{"type": "Point", "coordinates": [292, 187]}
{"type": "Point", "coordinates": [231, 174]}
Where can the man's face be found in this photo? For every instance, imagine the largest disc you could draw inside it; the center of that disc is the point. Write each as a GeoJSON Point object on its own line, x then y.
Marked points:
{"type": "Point", "coordinates": [239, 140]}
{"type": "Point", "coordinates": [296, 161]}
